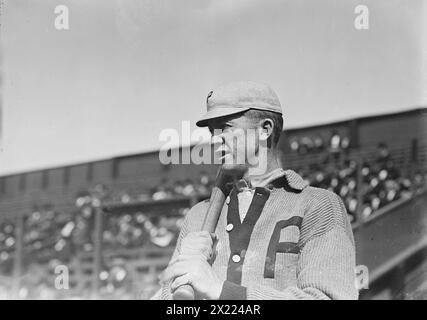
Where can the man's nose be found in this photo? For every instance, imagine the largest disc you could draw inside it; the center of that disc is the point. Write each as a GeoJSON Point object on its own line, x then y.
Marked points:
{"type": "Point", "coordinates": [218, 139]}
{"type": "Point", "coordinates": [219, 145]}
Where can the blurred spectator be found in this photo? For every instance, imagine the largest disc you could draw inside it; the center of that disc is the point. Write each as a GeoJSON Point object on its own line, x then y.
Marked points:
{"type": "Point", "coordinates": [335, 142]}
{"type": "Point", "coordinates": [315, 143]}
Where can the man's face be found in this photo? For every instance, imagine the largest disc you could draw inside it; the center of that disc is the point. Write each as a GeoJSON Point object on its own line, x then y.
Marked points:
{"type": "Point", "coordinates": [236, 140]}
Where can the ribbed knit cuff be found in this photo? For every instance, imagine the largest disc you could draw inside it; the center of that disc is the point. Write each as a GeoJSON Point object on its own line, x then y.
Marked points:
{"type": "Point", "coordinates": [232, 291]}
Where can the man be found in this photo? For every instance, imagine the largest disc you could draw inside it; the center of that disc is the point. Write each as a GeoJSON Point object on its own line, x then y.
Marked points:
{"type": "Point", "coordinates": [276, 237]}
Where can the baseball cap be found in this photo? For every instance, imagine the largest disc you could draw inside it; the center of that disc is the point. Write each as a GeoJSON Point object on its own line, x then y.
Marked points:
{"type": "Point", "coordinates": [237, 97]}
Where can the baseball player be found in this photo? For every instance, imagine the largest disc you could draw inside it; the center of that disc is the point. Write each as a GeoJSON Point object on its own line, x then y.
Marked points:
{"type": "Point", "coordinates": [277, 237]}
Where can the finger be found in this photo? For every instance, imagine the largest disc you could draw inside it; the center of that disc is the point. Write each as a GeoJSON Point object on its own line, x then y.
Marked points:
{"type": "Point", "coordinates": [198, 234]}
{"type": "Point", "coordinates": [201, 235]}
{"type": "Point", "coordinates": [196, 250]}
{"type": "Point", "coordinates": [178, 269]}
{"type": "Point", "coordinates": [197, 243]}
{"type": "Point", "coordinates": [180, 281]}
{"type": "Point", "coordinates": [211, 237]}
{"type": "Point", "coordinates": [185, 257]}
{"type": "Point", "coordinates": [214, 237]}
{"type": "Point", "coordinates": [197, 240]}
{"type": "Point", "coordinates": [192, 260]}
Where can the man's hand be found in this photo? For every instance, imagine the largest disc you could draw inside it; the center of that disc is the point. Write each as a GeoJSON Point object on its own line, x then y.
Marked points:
{"type": "Point", "coordinates": [198, 243]}
{"type": "Point", "coordinates": [195, 271]}
{"type": "Point", "coordinates": [192, 267]}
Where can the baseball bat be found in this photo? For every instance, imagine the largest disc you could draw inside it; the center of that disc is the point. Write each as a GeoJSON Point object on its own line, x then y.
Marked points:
{"type": "Point", "coordinates": [217, 199]}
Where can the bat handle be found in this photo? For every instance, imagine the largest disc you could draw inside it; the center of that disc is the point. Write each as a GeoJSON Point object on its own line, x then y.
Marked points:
{"type": "Point", "coordinates": [184, 292]}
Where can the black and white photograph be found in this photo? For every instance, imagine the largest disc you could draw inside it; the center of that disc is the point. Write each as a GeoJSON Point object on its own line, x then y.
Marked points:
{"type": "Point", "coordinates": [213, 150]}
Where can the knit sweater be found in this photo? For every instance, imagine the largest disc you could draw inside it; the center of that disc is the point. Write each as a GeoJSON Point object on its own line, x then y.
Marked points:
{"type": "Point", "coordinates": [295, 242]}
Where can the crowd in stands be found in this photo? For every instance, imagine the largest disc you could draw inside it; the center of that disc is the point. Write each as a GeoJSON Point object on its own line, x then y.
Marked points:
{"type": "Point", "coordinates": [7, 246]}
{"type": "Point", "coordinates": [316, 143]}
{"type": "Point", "coordinates": [165, 190]}
{"type": "Point", "coordinates": [52, 237]}
{"type": "Point", "coordinates": [382, 182]}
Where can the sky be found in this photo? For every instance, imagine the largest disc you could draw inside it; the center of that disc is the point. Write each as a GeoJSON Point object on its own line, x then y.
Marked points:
{"type": "Point", "coordinates": [125, 69]}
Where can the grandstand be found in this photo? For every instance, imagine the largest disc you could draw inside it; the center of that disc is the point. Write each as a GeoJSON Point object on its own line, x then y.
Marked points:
{"type": "Point", "coordinates": [114, 222]}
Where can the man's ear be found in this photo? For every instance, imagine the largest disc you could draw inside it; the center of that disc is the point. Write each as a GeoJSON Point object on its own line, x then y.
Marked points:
{"type": "Point", "coordinates": [266, 133]}
{"type": "Point", "coordinates": [266, 126]}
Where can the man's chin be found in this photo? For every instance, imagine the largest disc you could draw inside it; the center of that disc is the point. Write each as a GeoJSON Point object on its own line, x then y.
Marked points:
{"type": "Point", "coordinates": [234, 168]}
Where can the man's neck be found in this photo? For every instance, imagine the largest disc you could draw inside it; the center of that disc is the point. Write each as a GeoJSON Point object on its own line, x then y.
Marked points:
{"type": "Point", "coordinates": [253, 175]}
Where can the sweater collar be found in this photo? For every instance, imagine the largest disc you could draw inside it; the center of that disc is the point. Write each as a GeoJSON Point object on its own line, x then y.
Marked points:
{"type": "Point", "coordinates": [295, 181]}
